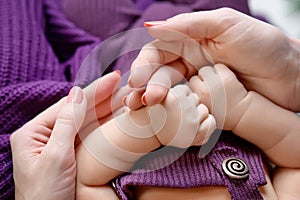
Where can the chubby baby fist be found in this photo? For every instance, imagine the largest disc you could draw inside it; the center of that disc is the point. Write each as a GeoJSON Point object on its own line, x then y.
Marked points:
{"type": "Point", "coordinates": [186, 121]}
{"type": "Point", "coordinates": [223, 94]}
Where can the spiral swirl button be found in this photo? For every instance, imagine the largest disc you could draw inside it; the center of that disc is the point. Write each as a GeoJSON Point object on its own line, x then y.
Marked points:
{"type": "Point", "coordinates": [235, 168]}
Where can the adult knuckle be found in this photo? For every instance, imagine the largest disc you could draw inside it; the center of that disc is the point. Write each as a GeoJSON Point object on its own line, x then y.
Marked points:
{"type": "Point", "coordinates": [56, 154]}
{"type": "Point", "coordinates": [180, 16]}
{"type": "Point", "coordinates": [226, 12]}
{"type": "Point", "coordinates": [227, 17]}
{"type": "Point", "coordinates": [66, 118]}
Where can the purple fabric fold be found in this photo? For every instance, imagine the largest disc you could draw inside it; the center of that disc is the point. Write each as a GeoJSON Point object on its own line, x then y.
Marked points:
{"type": "Point", "coordinates": [171, 167]}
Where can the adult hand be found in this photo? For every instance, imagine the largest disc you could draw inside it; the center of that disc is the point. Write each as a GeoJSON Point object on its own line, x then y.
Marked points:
{"type": "Point", "coordinates": [43, 149]}
{"type": "Point", "coordinates": [264, 59]}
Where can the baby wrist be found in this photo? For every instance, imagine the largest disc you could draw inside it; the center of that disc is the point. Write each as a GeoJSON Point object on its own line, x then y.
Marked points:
{"type": "Point", "coordinates": [116, 146]}
{"type": "Point", "coordinates": [248, 106]}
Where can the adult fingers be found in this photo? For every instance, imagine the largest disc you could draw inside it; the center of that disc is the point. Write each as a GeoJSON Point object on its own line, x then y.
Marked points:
{"type": "Point", "coordinates": [95, 93]}
{"type": "Point", "coordinates": [161, 81]}
{"type": "Point", "coordinates": [197, 25]}
{"type": "Point", "coordinates": [150, 67]}
{"type": "Point", "coordinates": [158, 85]}
{"type": "Point", "coordinates": [104, 96]}
{"type": "Point", "coordinates": [150, 58]}
{"type": "Point", "coordinates": [133, 100]}
{"type": "Point", "coordinates": [47, 117]}
{"type": "Point", "coordinates": [101, 88]}
{"type": "Point", "coordinates": [107, 106]}
{"type": "Point", "coordinates": [29, 140]}
{"type": "Point", "coordinates": [99, 111]}
{"type": "Point", "coordinates": [67, 124]}
{"type": "Point", "coordinates": [160, 53]}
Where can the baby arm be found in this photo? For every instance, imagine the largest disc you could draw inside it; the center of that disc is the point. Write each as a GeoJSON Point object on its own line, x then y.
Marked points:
{"type": "Point", "coordinates": [249, 115]}
{"type": "Point", "coordinates": [114, 147]}
{"type": "Point", "coordinates": [286, 183]}
{"type": "Point", "coordinates": [107, 152]}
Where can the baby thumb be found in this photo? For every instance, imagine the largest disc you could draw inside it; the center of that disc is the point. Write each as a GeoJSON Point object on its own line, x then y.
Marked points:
{"type": "Point", "coordinates": [68, 121]}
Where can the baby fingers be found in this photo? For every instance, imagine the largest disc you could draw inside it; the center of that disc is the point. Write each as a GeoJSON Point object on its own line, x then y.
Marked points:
{"type": "Point", "coordinates": [205, 129]}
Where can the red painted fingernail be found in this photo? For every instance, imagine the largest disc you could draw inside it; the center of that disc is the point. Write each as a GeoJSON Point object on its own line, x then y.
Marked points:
{"type": "Point", "coordinates": [144, 100]}
{"type": "Point", "coordinates": [118, 72]}
{"type": "Point", "coordinates": [153, 23]}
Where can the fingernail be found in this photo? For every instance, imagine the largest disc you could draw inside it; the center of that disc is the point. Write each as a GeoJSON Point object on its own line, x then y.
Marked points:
{"type": "Point", "coordinates": [124, 101]}
{"type": "Point", "coordinates": [153, 23]}
{"type": "Point", "coordinates": [118, 72]}
{"type": "Point", "coordinates": [143, 99]}
{"type": "Point", "coordinates": [75, 95]}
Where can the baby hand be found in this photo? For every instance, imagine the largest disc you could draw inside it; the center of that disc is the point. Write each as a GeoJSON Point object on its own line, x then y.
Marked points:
{"type": "Point", "coordinates": [187, 122]}
{"type": "Point", "coordinates": [220, 90]}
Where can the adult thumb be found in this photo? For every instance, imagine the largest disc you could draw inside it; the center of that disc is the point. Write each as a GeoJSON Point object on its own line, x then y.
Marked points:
{"type": "Point", "coordinates": [68, 122]}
